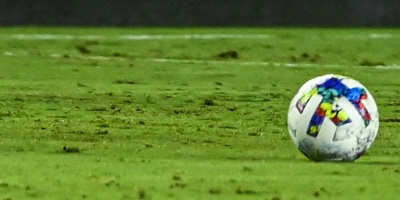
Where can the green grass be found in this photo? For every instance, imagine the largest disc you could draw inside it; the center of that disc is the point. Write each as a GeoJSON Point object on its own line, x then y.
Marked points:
{"type": "Point", "coordinates": [194, 126]}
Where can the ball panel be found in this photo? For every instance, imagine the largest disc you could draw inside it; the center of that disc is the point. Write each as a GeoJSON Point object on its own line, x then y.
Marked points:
{"type": "Point", "coordinates": [304, 121]}
{"type": "Point", "coordinates": [370, 104]}
{"type": "Point", "coordinates": [359, 96]}
{"type": "Point", "coordinates": [337, 151]}
{"type": "Point", "coordinates": [294, 100]}
{"type": "Point", "coordinates": [351, 83]}
{"type": "Point", "coordinates": [357, 123]}
{"type": "Point", "coordinates": [372, 131]}
{"type": "Point", "coordinates": [293, 117]}
{"type": "Point", "coordinates": [328, 128]}
{"type": "Point", "coordinates": [310, 84]}
{"type": "Point", "coordinates": [317, 150]}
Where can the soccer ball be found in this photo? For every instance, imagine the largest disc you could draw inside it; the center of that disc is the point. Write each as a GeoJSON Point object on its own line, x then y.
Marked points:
{"type": "Point", "coordinates": [333, 118]}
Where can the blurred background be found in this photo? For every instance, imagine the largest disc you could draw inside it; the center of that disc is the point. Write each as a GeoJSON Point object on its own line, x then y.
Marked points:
{"type": "Point", "coordinates": [187, 13]}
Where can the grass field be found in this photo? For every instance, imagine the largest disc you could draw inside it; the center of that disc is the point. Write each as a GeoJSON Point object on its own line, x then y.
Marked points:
{"type": "Point", "coordinates": [184, 113]}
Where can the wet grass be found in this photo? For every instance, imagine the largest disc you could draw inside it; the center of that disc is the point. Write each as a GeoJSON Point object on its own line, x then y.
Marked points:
{"type": "Point", "coordinates": [99, 119]}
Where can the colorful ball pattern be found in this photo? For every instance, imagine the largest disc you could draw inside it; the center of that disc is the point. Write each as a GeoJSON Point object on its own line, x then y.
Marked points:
{"type": "Point", "coordinates": [331, 90]}
{"type": "Point", "coordinates": [333, 118]}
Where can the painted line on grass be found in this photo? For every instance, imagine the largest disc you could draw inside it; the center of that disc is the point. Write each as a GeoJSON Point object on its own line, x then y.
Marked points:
{"type": "Point", "coordinates": [367, 36]}
{"type": "Point", "coordinates": [193, 61]}
{"type": "Point", "coordinates": [380, 35]}
{"type": "Point", "coordinates": [393, 66]}
{"type": "Point", "coordinates": [135, 37]}
{"type": "Point", "coordinates": [254, 63]}
{"type": "Point", "coordinates": [259, 63]}
{"type": "Point", "coordinates": [204, 62]}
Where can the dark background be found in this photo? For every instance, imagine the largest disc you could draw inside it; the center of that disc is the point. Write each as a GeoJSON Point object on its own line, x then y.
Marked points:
{"type": "Point", "coordinates": [327, 13]}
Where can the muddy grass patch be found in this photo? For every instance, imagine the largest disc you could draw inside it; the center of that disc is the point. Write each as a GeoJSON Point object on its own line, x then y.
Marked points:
{"type": "Point", "coordinates": [243, 191]}
{"type": "Point", "coordinates": [231, 54]}
{"type": "Point", "coordinates": [215, 191]}
{"type": "Point", "coordinates": [119, 55]}
{"type": "Point", "coordinates": [209, 102]}
{"type": "Point", "coordinates": [97, 109]}
{"type": "Point", "coordinates": [306, 57]}
{"type": "Point", "coordinates": [83, 49]}
{"type": "Point", "coordinates": [127, 82]}
{"type": "Point", "coordinates": [367, 62]}
{"type": "Point", "coordinates": [70, 149]}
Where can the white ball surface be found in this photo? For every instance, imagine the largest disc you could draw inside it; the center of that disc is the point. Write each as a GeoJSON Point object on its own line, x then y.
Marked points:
{"type": "Point", "coordinates": [333, 118]}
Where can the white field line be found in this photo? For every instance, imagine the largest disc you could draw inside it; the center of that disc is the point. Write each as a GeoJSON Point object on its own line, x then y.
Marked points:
{"type": "Point", "coordinates": [213, 62]}
{"type": "Point", "coordinates": [368, 36]}
{"type": "Point", "coordinates": [193, 61]}
{"type": "Point", "coordinates": [393, 66]}
{"type": "Point", "coordinates": [380, 35]}
{"type": "Point", "coordinates": [255, 63]}
{"type": "Point", "coordinates": [134, 37]}
{"type": "Point", "coordinates": [260, 63]}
